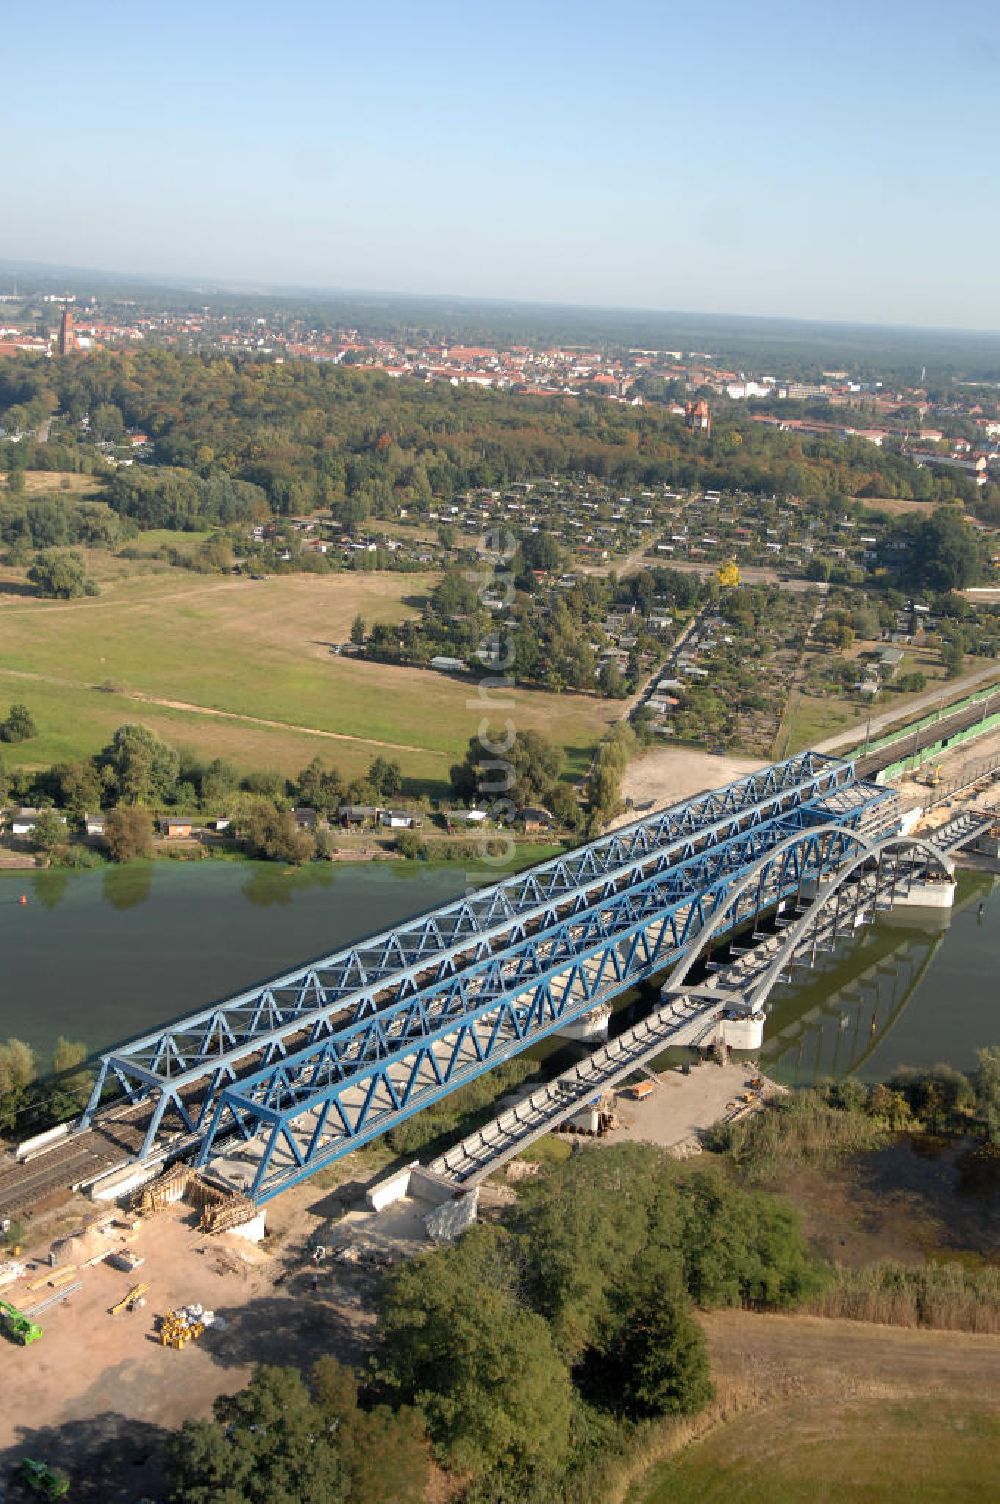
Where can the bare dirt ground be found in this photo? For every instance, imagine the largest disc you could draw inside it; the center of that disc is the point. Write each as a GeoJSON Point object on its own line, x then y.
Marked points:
{"type": "Point", "coordinates": [965, 762]}
{"type": "Point", "coordinates": [62, 480]}
{"type": "Point", "coordinates": [666, 775]}
{"type": "Point", "coordinates": [681, 1107]}
{"type": "Point", "coordinates": [97, 1394]}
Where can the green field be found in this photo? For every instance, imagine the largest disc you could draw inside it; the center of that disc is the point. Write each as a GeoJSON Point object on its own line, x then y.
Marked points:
{"type": "Point", "coordinates": [154, 538]}
{"type": "Point", "coordinates": [808, 720]}
{"type": "Point", "coordinates": [872, 1450]}
{"type": "Point", "coordinates": [244, 669]}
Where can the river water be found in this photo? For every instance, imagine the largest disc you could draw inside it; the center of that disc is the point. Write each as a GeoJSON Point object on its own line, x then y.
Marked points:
{"type": "Point", "coordinates": [106, 954]}
{"type": "Point", "coordinates": [102, 955]}
{"type": "Point", "coordinates": [915, 989]}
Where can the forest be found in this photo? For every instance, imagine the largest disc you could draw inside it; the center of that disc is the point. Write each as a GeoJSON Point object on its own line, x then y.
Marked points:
{"type": "Point", "coordinates": [232, 439]}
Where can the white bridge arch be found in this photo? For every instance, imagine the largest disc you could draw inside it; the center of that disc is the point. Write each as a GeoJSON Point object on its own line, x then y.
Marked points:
{"type": "Point", "coordinates": [896, 861]}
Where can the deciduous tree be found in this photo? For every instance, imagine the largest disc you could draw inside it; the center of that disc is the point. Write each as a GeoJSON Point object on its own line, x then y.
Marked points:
{"type": "Point", "coordinates": [61, 575]}
{"type": "Point", "coordinates": [19, 725]}
{"type": "Point", "coordinates": [128, 833]}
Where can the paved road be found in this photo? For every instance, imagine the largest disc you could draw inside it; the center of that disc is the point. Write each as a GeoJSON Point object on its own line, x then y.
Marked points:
{"type": "Point", "coordinates": [955, 689]}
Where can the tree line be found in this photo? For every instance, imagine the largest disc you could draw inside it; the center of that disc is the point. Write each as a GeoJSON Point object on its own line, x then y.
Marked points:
{"type": "Point", "coordinates": [520, 1357]}
{"type": "Point", "coordinates": [137, 773]}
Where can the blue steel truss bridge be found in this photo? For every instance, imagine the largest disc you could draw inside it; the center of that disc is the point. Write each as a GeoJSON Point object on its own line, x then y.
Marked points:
{"type": "Point", "coordinates": [264, 1088]}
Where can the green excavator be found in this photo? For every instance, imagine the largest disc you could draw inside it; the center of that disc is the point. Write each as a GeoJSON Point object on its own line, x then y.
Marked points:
{"type": "Point", "coordinates": [44, 1480]}
{"type": "Point", "coordinates": [18, 1327]}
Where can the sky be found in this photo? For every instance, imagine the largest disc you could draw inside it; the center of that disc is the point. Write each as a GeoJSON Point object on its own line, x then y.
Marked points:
{"type": "Point", "coordinates": [831, 159]}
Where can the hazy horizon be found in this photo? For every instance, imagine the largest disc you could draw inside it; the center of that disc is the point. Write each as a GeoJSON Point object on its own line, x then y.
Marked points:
{"type": "Point", "coordinates": [162, 282]}
{"type": "Point", "coordinates": [786, 163]}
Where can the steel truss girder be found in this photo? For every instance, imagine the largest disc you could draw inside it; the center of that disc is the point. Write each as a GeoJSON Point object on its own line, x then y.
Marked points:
{"type": "Point", "coordinates": [211, 1044]}
{"type": "Point", "coordinates": [382, 1070]}
{"type": "Point", "coordinates": [372, 1015]}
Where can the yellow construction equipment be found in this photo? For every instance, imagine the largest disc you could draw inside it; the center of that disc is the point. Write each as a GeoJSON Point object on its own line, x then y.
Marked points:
{"type": "Point", "coordinates": [177, 1330]}
{"type": "Point", "coordinates": [136, 1292]}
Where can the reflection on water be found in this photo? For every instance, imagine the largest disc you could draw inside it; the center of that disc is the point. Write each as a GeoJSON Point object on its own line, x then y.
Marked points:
{"type": "Point", "coordinates": [914, 989]}
{"type": "Point", "coordinates": [279, 885]}
{"type": "Point", "coordinates": [127, 887]}
{"type": "Point", "coordinates": [49, 885]}
{"type": "Point", "coordinates": [108, 953]}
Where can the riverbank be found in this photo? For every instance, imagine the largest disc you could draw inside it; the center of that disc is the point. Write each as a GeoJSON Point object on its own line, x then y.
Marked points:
{"type": "Point", "coordinates": [445, 852]}
{"type": "Point", "coordinates": [783, 1370]}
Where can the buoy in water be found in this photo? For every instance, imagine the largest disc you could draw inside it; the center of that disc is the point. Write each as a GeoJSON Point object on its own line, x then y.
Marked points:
{"type": "Point", "coordinates": [24, 898]}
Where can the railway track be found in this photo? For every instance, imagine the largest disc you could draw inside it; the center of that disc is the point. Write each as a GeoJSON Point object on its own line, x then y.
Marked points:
{"type": "Point", "coordinates": [80, 1157]}
{"type": "Point", "coordinates": [868, 765]}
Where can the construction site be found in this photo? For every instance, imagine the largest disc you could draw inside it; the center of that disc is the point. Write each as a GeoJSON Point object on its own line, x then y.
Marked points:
{"type": "Point", "coordinates": [126, 1314]}
{"type": "Point", "coordinates": [140, 1317]}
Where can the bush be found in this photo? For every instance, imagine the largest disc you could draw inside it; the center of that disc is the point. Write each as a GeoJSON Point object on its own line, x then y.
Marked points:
{"type": "Point", "coordinates": [61, 575]}
{"type": "Point", "coordinates": [800, 1128]}
{"type": "Point", "coordinates": [272, 834]}
{"type": "Point", "coordinates": [17, 1072]}
{"type": "Point", "coordinates": [283, 1439]}
{"type": "Point", "coordinates": [936, 1096]}
{"type": "Point", "coordinates": [454, 1339]}
{"type": "Point", "coordinates": [49, 831]}
{"type": "Point", "coordinates": [409, 845]}
{"type": "Point", "coordinates": [657, 1361]}
{"type": "Point", "coordinates": [988, 1090]}
{"type": "Point", "coordinates": [128, 833]}
{"type": "Point", "coordinates": [19, 725]}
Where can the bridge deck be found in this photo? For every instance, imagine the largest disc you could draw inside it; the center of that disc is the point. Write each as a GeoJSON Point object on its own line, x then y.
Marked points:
{"type": "Point", "coordinates": [314, 1107]}
{"type": "Point", "coordinates": [682, 1021]}
{"type": "Point", "coordinates": [304, 1068]}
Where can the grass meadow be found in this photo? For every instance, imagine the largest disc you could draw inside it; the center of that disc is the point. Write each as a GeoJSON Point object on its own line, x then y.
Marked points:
{"type": "Point", "coordinates": [821, 1452]}
{"type": "Point", "coordinates": [244, 669]}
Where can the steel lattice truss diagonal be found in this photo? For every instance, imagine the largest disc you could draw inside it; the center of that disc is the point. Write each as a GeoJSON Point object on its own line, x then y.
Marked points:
{"type": "Point", "coordinates": [312, 1107]}
{"type": "Point", "coordinates": [217, 1044]}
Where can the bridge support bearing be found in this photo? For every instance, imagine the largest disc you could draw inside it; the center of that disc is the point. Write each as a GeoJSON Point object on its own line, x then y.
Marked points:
{"type": "Point", "coordinates": [927, 895]}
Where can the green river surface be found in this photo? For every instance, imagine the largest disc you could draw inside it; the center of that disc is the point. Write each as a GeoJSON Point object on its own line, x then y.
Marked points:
{"type": "Point", "coordinates": [106, 954]}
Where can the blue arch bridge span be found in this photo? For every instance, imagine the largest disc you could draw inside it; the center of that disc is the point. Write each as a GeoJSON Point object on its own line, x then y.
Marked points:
{"type": "Point", "coordinates": [263, 1089]}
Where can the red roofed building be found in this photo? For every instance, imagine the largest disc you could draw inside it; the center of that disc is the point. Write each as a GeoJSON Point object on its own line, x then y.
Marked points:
{"type": "Point", "coordinates": [698, 416]}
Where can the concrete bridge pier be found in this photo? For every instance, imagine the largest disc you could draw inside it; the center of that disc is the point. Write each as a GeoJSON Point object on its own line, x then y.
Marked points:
{"type": "Point", "coordinates": [589, 1028]}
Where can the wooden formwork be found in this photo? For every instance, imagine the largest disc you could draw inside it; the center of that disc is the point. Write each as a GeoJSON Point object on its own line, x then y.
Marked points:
{"type": "Point", "coordinates": [227, 1212]}
{"type": "Point", "coordinates": [220, 1210]}
{"type": "Point", "coordinates": [152, 1198]}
